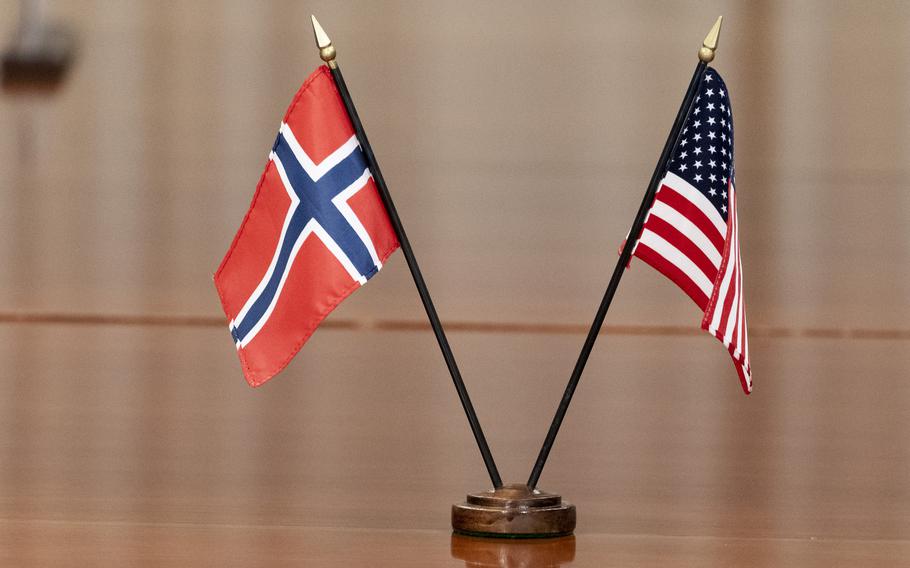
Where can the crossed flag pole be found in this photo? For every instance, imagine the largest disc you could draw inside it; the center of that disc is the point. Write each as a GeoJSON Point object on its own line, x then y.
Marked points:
{"type": "Point", "coordinates": [705, 56]}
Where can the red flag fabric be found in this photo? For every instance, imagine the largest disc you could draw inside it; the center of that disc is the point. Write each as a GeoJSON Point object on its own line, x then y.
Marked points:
{"type": "Point", "coordinates": [316, 231]}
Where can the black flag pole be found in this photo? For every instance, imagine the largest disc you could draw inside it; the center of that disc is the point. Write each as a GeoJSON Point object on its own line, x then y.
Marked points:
{"type": "Point", "coordinates": [705, 56]}
{"type": "Point", "coordinates": [327, 53]}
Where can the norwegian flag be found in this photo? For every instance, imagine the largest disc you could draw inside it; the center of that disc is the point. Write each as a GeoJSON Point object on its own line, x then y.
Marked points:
{"type": "Point", "coordinates": [316, 231]}
{"type": "Point", "coordinates": [691, 234]}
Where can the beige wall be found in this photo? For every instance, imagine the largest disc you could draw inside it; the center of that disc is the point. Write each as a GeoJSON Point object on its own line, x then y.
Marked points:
{"type": "Point", "coordinates": [517, 140]}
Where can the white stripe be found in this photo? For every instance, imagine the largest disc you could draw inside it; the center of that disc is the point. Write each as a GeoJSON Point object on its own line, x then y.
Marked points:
{"type": "Point", "coordinates": [675, 257]}
{"type": "Point", "coordinates": [341, 203]}
{"type": "Point", "coordinates": [295, 201]}
{"type": "Point", "coordinates": [313, 170]}
{"type": "Point", "coordinates": [740, 328]}
{"type": "Point", "coordinates": [739, 305]}
{"type": "Point", "coordinates": [721, 299]}
{"type": "Point", "coordinates": [741, 316]}
{"type": "Point", "coordinates": [333, 247]}
{"type": "Point", "coordinates": [724, 285]}
{"type": "Point", "coordinates": [689, 229]}
{"type": "Point", "coordinates": [731, 318]}
{"type": "Point", "coordinates": [698, 199]}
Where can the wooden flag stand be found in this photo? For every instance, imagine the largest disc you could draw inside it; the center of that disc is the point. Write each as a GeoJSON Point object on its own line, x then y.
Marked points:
{"type": "Point", "coordinates": [520, 510]}
{"type": "Point", "coordinates": [514, 511]}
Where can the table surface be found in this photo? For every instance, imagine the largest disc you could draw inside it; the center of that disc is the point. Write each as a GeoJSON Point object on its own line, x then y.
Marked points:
{"type": "Point", "coordinates": [128, 437]}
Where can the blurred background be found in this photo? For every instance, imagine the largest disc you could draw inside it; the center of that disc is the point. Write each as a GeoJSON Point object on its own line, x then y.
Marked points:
{"type": "Point", "coordinates": [517, 140]}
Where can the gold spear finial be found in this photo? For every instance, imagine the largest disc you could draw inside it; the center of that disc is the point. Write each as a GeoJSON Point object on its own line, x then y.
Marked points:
{"type": "Point", "coordinates": [326, 49]}
{"type": "Point", "coordinates": [709, 46]}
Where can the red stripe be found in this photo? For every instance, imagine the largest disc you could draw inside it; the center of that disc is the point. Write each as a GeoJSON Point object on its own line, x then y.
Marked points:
{"type": "Point", "coordinates": [726, 306]}
{"type": "Point", "coordinates": [691, 211]}
{"type": "Point", "coordinates": [742, 377]}
{"type": "Point", "coordinates": [734, 305]}
{"type": "Point", "coordinates": [740, 306]}
{"type": "Point", "coordinates": [672, 272]}
{"type": "Point", "coordinates": [685, 245]}
{"type": "Point", "coordinates": [716, 300]}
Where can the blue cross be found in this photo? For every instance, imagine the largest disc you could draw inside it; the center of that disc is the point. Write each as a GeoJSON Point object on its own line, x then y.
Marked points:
{"type": "Point", "coordinates": [315, 204]}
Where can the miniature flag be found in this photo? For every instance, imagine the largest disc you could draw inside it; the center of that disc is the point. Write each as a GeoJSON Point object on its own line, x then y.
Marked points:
{"type": "Point", "coordinates": [691, 234]}
{"type": "Point", "coordinates": [316, 231]}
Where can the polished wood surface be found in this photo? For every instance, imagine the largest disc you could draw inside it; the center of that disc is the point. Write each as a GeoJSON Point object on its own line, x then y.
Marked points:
{"type": "Point", "coordinates": [517, 142]}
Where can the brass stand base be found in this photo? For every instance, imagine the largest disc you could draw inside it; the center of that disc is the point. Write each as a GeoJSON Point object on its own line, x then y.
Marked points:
{"type": "Point", "coordinates": [514, 511]}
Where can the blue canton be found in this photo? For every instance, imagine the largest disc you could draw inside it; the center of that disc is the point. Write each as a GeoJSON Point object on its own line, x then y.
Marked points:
{"type": "Point", "coordinates": [704, 156]}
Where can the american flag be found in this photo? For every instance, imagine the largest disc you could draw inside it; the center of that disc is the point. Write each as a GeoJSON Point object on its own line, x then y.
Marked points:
{"type": "Point", "coordinates": [691, 233]}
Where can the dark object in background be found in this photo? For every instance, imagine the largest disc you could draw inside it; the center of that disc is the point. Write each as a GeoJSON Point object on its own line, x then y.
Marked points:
{"type": "Point", "coordinates": [40, 54]}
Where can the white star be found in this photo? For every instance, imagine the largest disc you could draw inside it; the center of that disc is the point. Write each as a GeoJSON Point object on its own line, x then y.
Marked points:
{"type": "Point", "coordinates": [696, 111]}
{"type": "Point", "coordinates": [697, 137]}
{"type": "Point", "coordinates": [697, 123]}
{"type": "Point", "coordinates": [686, 129]}
{"type": "Point", "coordinates": [721, 92]}
{"type": "Point", "coordinates": [712, 177]}
{"type": "Point", "coordinates": [683, 167]}
{"type": "Point", "coordinates": [723, 165]}
{"type": "Point", "coordinates": [725, 196]}
{"type": "Point", "coordinates": [710, 106]}
{"type": "Point", "coordinates": [684, 142]}
{"type": "Point", "coordinates": [712, 149]}
{"type": "Point", "coordinates": [697, 165]}
{"type": "Point", "coordinates": [712, 191]}
{"type": "Point", "coordinates": [710, 92]}
{"type": "Point", "coordinates": [723, 208]}
{"type": "Point", "coordinates": [711, 120]}
{"type": "Point", "coordinates": [723, 136]}
{"type": "Point", "coordinates": [708, 78]}
{"type": "Point", "coordinates": [697, 177]}
{"type": "Point", "coordinates": [683, 155]}
{"type": "Point", "coordinates": [713, 164]}
{"type": "Point", "coordinates": [711, 135]}
{"type": "Point", "coordinates": [723, 122]}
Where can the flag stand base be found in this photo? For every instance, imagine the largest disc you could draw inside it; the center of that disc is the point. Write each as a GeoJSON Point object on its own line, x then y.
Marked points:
{"type": "Point", "coordinates": [514, 511]}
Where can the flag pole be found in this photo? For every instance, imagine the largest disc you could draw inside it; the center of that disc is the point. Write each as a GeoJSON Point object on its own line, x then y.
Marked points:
{"type": "Point", "coordinates": [705, 56]}
{"type": "Point", "coordinates": [327, 53]}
